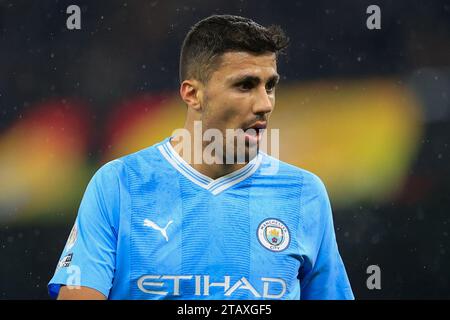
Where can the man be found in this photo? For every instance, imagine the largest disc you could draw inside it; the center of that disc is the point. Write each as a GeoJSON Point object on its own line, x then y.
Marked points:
{"type": "Point", "coordinates": [157, 224]}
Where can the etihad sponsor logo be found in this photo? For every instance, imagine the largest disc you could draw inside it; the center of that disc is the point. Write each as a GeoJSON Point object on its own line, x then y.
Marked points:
{"type": "Point", "coordinates": [272, 288]}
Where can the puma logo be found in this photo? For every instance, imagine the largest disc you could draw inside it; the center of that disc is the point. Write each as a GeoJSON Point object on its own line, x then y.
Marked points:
{"type": "Point", "coordinates": [151, 224]}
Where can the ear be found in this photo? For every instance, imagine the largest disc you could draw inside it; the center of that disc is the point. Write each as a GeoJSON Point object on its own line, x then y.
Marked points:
{"type": "Point", "coordinates": [191, 93]}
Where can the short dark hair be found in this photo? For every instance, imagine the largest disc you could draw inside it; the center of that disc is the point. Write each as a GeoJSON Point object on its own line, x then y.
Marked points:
{"type": "Point", "coordinates": [211, 37]}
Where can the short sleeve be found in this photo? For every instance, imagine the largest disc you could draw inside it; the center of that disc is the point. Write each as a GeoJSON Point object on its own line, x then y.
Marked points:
{"type": "Point", "coordinates": [323, 276]}
{"type": "Point", "coordinates": [89, 257]}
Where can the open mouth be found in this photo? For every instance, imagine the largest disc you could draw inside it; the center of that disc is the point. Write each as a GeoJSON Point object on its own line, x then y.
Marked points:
{"type": "Point", "coordinates": [254, 132]}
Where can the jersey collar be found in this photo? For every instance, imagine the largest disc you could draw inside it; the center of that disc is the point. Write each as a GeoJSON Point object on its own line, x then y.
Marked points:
{"type": "Point", "coordinates": [215, 186]}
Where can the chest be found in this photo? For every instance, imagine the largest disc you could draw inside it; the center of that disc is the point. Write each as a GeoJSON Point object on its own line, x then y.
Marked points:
{"type": "Point", "coordinates": [210, 244]}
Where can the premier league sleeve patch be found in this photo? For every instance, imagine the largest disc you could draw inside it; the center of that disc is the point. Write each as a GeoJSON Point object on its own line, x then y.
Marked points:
{"type": "Point", "coordinates": [273, 235]}
{"type": "Point", "coordinates": [72, 238]}
{"type": "Point", "coordinates": [65, 262]}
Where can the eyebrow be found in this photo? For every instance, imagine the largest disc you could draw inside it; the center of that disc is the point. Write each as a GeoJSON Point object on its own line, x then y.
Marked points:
{"type": "Point", "coordinates": [254, 79]}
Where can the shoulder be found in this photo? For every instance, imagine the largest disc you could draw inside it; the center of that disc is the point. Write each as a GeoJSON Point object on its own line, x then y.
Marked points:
{"type": "Point", "coordinates": [109, 187]}
{"type": "Point", "coordinates": [138, 162]}
{"type": "Point", "coordinates": [309, 182]}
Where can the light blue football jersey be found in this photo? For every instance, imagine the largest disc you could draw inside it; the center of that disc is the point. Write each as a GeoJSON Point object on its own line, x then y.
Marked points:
{"type": "Point", "coordinates": [151, 227]}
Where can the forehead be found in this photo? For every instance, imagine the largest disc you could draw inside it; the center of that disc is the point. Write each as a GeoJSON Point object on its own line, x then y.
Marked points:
{"type": "Point", "coordinates": [234, 63]}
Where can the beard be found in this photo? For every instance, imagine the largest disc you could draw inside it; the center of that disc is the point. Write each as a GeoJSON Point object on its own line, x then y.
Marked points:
{"type": "Point", "coordinates": [231, 145]}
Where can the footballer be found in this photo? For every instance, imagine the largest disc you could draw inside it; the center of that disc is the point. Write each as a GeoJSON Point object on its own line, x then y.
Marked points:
{"type": "Point", "coordinates": [159, 224]}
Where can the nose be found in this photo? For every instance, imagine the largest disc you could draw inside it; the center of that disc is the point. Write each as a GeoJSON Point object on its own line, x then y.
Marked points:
{"type": "Point", "coordinates": [264, 102]}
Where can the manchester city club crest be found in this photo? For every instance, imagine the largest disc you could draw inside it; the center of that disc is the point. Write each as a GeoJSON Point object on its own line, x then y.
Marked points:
{"type": "Point", "coordinates": [273, 234]}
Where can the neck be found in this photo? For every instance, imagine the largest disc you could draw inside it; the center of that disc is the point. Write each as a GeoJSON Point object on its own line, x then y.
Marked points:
{"type": "Point", "coordinates": [214, 170]}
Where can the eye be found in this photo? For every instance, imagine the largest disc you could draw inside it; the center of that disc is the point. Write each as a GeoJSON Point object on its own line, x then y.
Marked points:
{"type": "Point", "coordinates": [270, 86]}
{"type": "Point", "coordinates": [245, 86]}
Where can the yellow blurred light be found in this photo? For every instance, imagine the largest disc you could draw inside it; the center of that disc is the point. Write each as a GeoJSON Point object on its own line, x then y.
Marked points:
{"type": "Point", "coordinates": [360, 137]}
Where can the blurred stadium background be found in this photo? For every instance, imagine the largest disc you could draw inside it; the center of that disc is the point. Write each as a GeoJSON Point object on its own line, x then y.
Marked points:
{"type": "Point", "coordinates": [366, 110]}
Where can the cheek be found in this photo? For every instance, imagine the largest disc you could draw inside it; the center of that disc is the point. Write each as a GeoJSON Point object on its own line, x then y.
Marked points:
{"type": "Point", "coordinates": [237, 110]}
{"type": "Point", "coordinates": [225, 110]}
